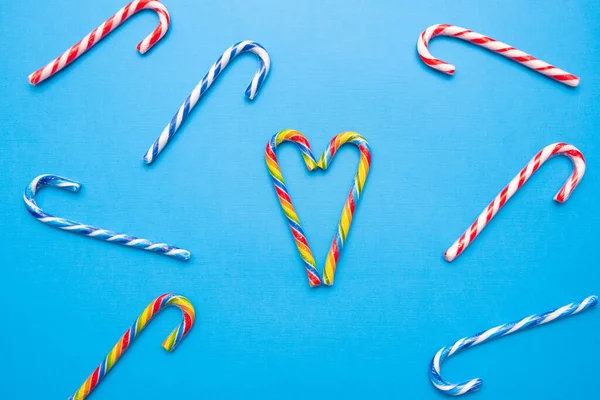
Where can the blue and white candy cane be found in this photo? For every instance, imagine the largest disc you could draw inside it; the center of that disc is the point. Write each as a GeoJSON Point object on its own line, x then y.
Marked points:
{"type": "Point", "coordinates": [88, 230]}
{"type": "Point", "coordinates": [213, 73]}
{"type": "Point", "coordinates": [494, 333]}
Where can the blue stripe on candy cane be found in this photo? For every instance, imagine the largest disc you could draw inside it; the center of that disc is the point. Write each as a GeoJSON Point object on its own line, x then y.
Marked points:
{"type": "Point", "coordinates": [279, 184]}
{"type": "Point", "coordinates": [102, 370]}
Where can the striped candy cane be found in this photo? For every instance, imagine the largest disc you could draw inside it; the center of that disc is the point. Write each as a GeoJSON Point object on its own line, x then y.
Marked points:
{"type": "Point", "coordinates": [206, 82]}
{"type": "Point", "coordinates": [312, 164]}
{"type": "Point", "coordinates": [162, 302]}
{"type": "Point", "coordinates": [88, 230]}
{"type": "Point", "coordinates": [102, 31]}
{"type": "Point", "coordinates": [473, 385]}
{"type": "Point", "coordinates": [491, 44]}
{"type": "Point", "coordinates": [492, 209]}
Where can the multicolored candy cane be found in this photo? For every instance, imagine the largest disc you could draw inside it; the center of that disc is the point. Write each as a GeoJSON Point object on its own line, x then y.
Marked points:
{"type": "Point", "coordinates": [88, 230]}
{"type": "Point", "coordinates": [206, 82]}
{"type": "Point", "coordinates": [312, 164]}
{"type": "Point", "coordinates": [178, 334]}
{"type": "Point", "coordinates": [454, 389]}
{"type": "Point", "coordinates": [102, 31]}
{"type": "Point", "coordinates": [492, 209]}
{"type": "Point", "coordinates": [491, 44]}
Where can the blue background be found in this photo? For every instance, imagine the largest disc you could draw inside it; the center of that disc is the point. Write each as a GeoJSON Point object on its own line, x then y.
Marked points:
{"type": "Point", "coordinates": [443, 147]}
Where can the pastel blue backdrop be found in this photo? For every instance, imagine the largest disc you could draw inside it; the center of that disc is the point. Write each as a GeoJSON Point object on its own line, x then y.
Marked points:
{"type": "Point", "coordinates": [443, 147]}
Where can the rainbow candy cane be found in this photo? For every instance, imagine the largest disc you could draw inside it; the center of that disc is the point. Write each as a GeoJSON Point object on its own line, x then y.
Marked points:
{"type": "Point", "coordinates": [162, 302]}
{"type": "Point", "coordinates": [102, 31]}
{"type": "Point", "coordinates": [206, 82]}
{"type": "Point", "coordinates": [88, 230]}
{"type": "Point", "coordinates": [492, 209]}
{"type": "Point", "coordinates": [491, 44]}
{"type": "Point", "coordinates": [312, 164]}
{"type": "Point", "coordinates": [458, 389]}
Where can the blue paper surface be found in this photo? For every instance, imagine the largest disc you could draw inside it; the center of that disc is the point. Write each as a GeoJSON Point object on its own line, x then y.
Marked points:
{"type": "Point", "coordinates": [442, 148]}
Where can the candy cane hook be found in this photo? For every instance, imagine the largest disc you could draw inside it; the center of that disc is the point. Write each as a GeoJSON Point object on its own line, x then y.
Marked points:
{"type": "Point", "coordinates": [491, 44]}
{"type": "Point", "coordinates": [102, 31]}
{"type": "Point", "coordinates": [88, 230]}
{"type": "Point", "coordinates": [206, 82]}
{"type": "Point", "coordinates": [178, 334]}
{"type": "Point", "coordinates": [473, 385]}
{"type": "Point", "coordinates": [492, 209]}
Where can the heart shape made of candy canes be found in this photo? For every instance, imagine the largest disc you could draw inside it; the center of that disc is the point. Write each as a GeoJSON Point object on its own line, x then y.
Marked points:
{"type": "Point", "coordinates": [312, 164]}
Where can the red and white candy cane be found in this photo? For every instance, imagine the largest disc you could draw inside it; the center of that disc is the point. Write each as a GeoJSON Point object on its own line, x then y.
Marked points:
{"type": "Point", "coordinates": [492, 209]}
{"type": "Point", "coordinates": [102, 31]}
{"type": "Point", "coordinates": [491, 44]}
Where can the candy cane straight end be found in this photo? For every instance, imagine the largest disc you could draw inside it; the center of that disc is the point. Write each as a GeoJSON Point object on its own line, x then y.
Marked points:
{"type": "Point", "coordinates": [38, 76]}
{"type": "Point", "coordinates": [147, 159]}
{"type": "Point", "coordinates": [32, 80]}
{"type": "Point", "coordinates": [572, 82]}
{"type": "Point", "coordinates": [560, 198]}
{"type": "Point", "coordinates": [155, 149]}
{"type": "Point", "coordinates": [152, 153]}
{"type": "Point", "coordinates": [181, 254]}
{"type": "Point", "coordinates": [327, 278]}
{"type": "Point", "coordinates": [313, 280]}
{"type": "Point", "coordinates": [449, 256]}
